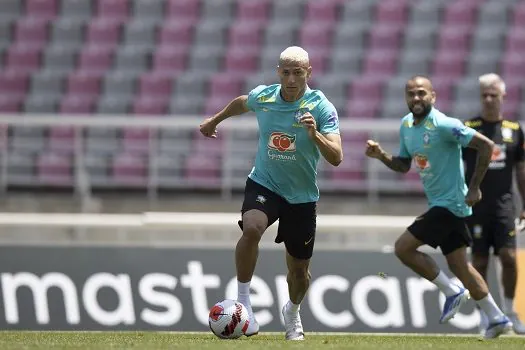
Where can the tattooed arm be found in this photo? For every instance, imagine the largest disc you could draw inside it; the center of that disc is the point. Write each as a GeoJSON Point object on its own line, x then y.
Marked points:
{"type": "Point", "coordinates": [483, 146]}
{"type": "Point", "coordinates": [398, 164]}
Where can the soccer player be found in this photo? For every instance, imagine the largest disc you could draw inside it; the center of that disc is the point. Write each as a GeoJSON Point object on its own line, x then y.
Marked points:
{"type": "Point", "coordinates": [296, 125]}
{"type": "Point", "coordinates": [434, 141]}
{"type": "Point", "coordinates": [492, 223]}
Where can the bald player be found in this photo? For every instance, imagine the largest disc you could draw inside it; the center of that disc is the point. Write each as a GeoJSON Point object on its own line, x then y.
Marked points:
{"type": "Point", "coordinates": [434, 141]}
{"type": "Point", "coordinates": [296, 126]}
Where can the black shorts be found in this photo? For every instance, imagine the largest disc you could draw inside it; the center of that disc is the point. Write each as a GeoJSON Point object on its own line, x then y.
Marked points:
{"type": "Point", "coordinates": [492, 229]}
{"type": "Point", "coordinates": [438, 227]}
{"type": "Point", "coordinates": [297, 222]}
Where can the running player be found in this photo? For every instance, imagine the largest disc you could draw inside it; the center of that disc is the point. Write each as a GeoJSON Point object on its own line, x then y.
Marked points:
{"type": "Point", "coordinates": [296, 126]}
{"type": "Point", "coordinates": [434, 141]}
{"type": "Point", "coordinates": [492, 223]}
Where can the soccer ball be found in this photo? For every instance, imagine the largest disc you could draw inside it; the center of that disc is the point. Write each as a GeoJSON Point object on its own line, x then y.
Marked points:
{"type": "Point", "coordinates": [228, 319]}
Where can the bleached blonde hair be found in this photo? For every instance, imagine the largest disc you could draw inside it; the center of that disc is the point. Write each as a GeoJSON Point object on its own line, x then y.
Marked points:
{"type": "Point", "coordinates": [492, 79]}
{"type": "Point", "coordinates": [295, 54]}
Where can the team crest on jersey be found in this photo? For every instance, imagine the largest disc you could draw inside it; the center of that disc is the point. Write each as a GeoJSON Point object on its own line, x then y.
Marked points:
{"type": "Point", "coordinates": [421, 162]}
{"type": "Point", "coordinates": [282, 142]}
{"type": "Point", "coordinates": [298, 114]}
{"type": "Point", "coordinates": [506, 134]}
{"type": "Point", "coordinates": [426, 139]}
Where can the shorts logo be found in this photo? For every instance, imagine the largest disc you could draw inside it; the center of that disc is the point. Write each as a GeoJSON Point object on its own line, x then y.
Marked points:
{"type": "Point", "coordinates": [261, 199]}
{"type": "Point", "coordinates": [308, 241]}
{"type": "Point", "coordinates": [478, 231]}
{"type": "Point", "coordinates": [282, 142]}
{"type": "Point", "coordinates": [512, 233]}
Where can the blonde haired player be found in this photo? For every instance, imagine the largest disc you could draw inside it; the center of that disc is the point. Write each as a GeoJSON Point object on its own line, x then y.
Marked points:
{"type": "Point", "coordinates": [296, 125]}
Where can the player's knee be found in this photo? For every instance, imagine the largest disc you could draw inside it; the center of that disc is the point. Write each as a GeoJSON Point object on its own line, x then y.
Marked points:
{"type": "Point", "coordinates": [458, 267]}
{"type": "Point", "coordinates": [480, 262]}
{"type": "Point", "coordinates": [400, 249]}
{"type": "Point", "coordinates": [299, 273]}
{"type": "Point", "coordinates": [507, 258]}
{"type": "Point", "coordinates": [253, 230]}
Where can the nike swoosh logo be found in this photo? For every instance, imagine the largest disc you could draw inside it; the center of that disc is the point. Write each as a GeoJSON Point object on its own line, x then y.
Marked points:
{"type": "Point", "coordinates": [308, 241]}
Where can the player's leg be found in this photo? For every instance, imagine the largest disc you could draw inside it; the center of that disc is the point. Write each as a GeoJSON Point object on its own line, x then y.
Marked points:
{"type": "Point", "coordinates": [505, 248]}
{"type": "Point", "coordinates": [482, 232]}
{"type": "Point", "coordinates": [259, 210]}
{"type": "Point", "coordinates": [431, 228]}
{"type": "Point", "coordinates": [297, 225]}
{"type": "Point", "coordinates": [424, 230]}
{"type": "Point", "coordinates": [455, 251]}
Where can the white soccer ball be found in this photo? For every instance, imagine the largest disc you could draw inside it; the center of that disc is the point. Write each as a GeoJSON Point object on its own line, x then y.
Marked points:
{"type": "Point", "coordinates": [228, 319]}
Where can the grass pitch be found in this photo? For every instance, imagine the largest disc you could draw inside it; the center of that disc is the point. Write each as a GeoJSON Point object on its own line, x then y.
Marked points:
{"type": "Point", "coordinates": [168, 340]}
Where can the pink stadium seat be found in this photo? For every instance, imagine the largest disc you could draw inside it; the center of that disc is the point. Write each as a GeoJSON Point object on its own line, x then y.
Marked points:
{"type": "Point", "coordinates": [83, 84]}
{"type": "Point", "coordinates": [21, 58]}
{"type": "Point", "coordinates": [463, 12]}
{"type": "Point", "coordinates": [11, 104]}
{"type": "Point", "coordinates": [513, 65]}
{"type": "Point", "coordinates": [31, 31]}
{"type": "Point", "coordinates": [255, 12]}
{"type": "Point", "coordinates": [385, 37]}
{"type": "Point", "coordinates": [176, 33]}
{"type": "Point", "coordinates": [76, 105]}
{"type": "Point", "coordinates": [55, 169]}
{"type": "Point", "coordinates": [137, 140]}
{"type": "Point", "coordinates": [518, 14]}
{"type": "Point", "coordinates": [41, 9]}
{"type": "Point", "coordinates": [103, 32]}
{"type": "Point", "coordinates": [155, 85]}
{"type": "Point", "coordinates": [454, 38]}
{"type": "Point", "coordinates": [449, 64]}
{"type": "Point", "coordinates": [444, 92]}
{"type": "Point", "coordinates": [95, 58]}
{"type": "Point", "coordinates": [203, 169]}
{"type": "Point", "coordinates": [183, 9]}
{"type": "Point", "coordinates": [113, 9]}
{"type": "Point", "coordinates": [318, 61]}
{"type": "Point", "coordinates": [129, 169]}
{"type": "Point", "coordinates": [392, 12]}
{"type": "Point", "coordinates": [367, 108]}
{"type": "Point", "coordinates": [13, 83]}
{"type": "Point", "coordinates": [516, 41]}
{"type": "Point", "coordinates": [365, 87]}
{"type": "Point", "coordinates": [169, 60]}
{"type": "Point", "coordinates": [353, 168]}
{"type": "Point", "coordinates": [321, 11]}
{"type": "Point", "coordinates": [380, 62]}
{"type": "Point", "coordinates": [315, 36]}
{"type": "Point", "coordinates": [224, 84]}
{"type": "Point", "coordinates": [216, 103]}
{"type": "Point", "coordinates": [244, 34]}
{"type": "Point", "coordinates": [150, 105]}
{"type": "Point", "coordinates": [241, 61]}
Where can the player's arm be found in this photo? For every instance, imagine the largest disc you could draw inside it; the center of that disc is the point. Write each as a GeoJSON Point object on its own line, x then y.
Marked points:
{"type": "Point", "coordinates": [520, 168]}
{"type": "Point", "coordinates": [237, 106]}
{"type": "Point", "coordinates": [330, 147]}
{"type": "Point", "coordinates": [483, 146]}
{"type": "Point", "coordinates": [400, 164]}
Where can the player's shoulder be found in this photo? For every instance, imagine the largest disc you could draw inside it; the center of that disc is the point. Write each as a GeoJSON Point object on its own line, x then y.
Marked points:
{"type": "Point", "coordinates": [407, 120]}
{"type": "Point", "coordinates": [264, 93]}
{"type": "Point", "coordinates": [509, 124]}
{"type": "Point", "coordinates": [440, 119]}
{"type": "Point", "coordinates": [474, 122]}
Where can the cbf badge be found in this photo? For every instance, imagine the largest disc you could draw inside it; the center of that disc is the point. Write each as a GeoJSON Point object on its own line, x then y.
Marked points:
{"type": "Point", "coordinates": [426, 138]}
{"type": "Point", "coordinates": [299, 113]}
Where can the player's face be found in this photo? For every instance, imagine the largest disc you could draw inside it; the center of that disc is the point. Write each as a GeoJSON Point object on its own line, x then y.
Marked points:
{"type": "Point", "coordinates": [419, 99]}
{"type": "Point", "coordinates": [491, 98]}
{"type": "Point", "coordinates": [293, 80]}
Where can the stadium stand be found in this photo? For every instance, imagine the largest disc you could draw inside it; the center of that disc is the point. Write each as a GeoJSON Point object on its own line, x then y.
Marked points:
{"type": "Point", "coordinates": [190, 57]}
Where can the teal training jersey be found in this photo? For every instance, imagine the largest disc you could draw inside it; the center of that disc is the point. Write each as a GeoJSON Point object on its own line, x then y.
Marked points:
{"type": "Point", "coordinates": [286, 161]}
{"type": "Point", "coordinates": [435, 146]}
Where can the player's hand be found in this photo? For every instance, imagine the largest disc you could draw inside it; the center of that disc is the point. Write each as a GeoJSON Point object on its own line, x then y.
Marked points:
{"type": "Point", "coordinates": [308, 121]}
{"type": "Point", "coordinates": [520, 222]}
{"type": "Point", "coordinates": [473, 196]}
{"type": "Point", "coordinates": [209, 128]}
{"type": "Point", "coordinates": [373, 149]}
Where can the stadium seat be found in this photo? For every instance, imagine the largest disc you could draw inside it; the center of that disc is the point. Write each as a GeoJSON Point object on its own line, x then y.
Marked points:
{"type": "Point", "coordinates": [255, 12]}
{"type": "Point", "coordinates": [245, 35]}
{"type": "Point", "coordinates": [31, 31]}
{"type": "Point", "coordinates": [320, 12]}
{"type": "Point", "coordinates": [241, 61]}
{"type": "Point", "coordinates": [449, 64]}
{"type": "Point", "coordinates": [41, 9]}
{"type": "Point", "coordinates": [113, 9]}
{"type": "Point", "coordinates": [175, 33]}
{"type": "Point", "coordinates": [392, 12]}
{"type": "Point", "coordinates": [13, 83]}
{"type": "Point", "coordinates": [23, 59]}
{"type": "Point", "coordinates": [150, 105]}
{"type": "Point", "coordinates": [78, 10]}
{"type": "Point", "coordinates": [155, 85]}
{"type": "Point", "coordinates": [169, 61]}
{"type": "Point", "coordinates": [129, 169]}
{"type": "Point", "coordinates": [103, 32]}
{"type": "Point", "coordinates": [54, 169]}
{"type": "Point", "coordinates": [96, 59]}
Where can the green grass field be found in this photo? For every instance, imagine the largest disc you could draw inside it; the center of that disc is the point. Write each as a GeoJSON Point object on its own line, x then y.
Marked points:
{"type": "Point", "coordinates": [269, 341]}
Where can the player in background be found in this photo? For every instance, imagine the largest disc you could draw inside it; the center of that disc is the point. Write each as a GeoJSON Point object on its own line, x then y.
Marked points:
{"type": "Point", "coordinates": [492, 223]}
{"type": "Point", "coordinates": [296, 126]}
{"type": "Point", "coordinates": [434, 142]}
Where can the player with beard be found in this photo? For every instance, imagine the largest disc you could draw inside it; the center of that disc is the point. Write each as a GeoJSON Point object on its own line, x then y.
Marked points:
{"type": "Point", "coordinates": [492, 222]}
{"type": "Point", "coordinates": [435, 143]}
